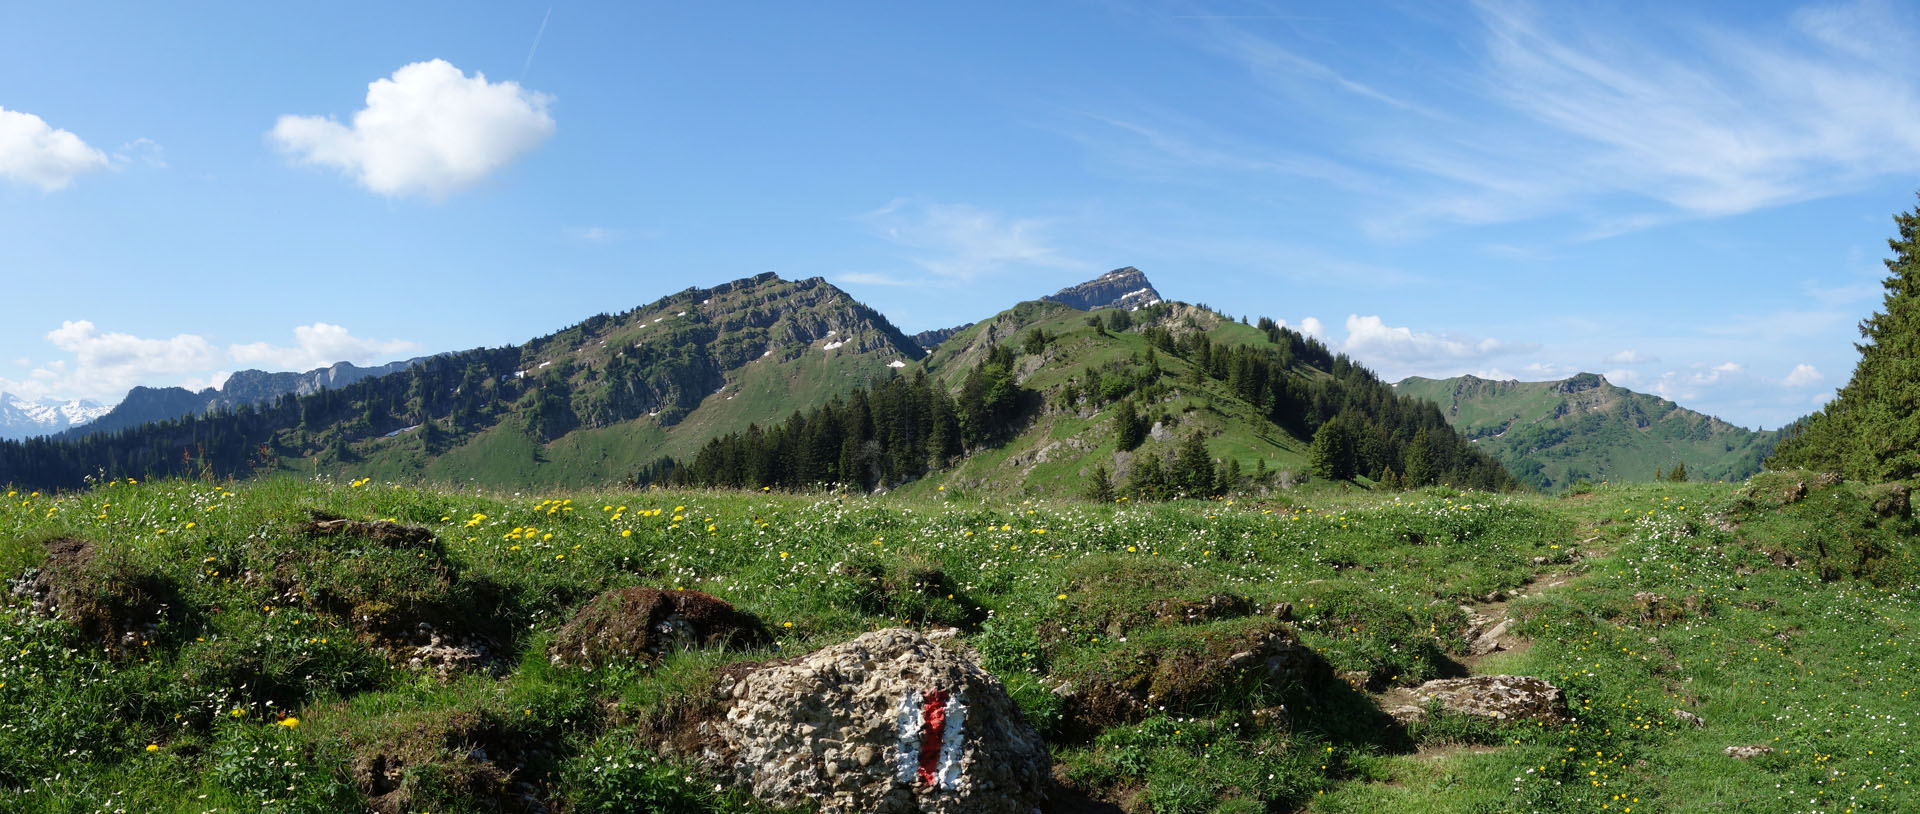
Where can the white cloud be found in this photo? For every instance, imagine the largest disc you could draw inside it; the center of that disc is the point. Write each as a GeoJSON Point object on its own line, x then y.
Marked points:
{"type": "Point", "coordinates": [957, 242]}
{"type": "Point", "coordinates": [1623, 119]}
{"type": "Point", "coordinates": [1371, 338]}
{"type": "Point", "coordinates": [104, 365]}
{"type": "Point", "coordinates": [1728, 122]}
{"type": "Point", "coordinates": [1629, 379]}
{"type": "Point", "coordinates": [596, 234]}
{"type": "Point", "coordinates": [869, 278]}
{"type": "Point", "coordinates": [1631, 357]}
{"type": "Point", "coordinates": [1802, 375]}
{"type": "Point", "coordinates": [319, 345]}
{"type": "Point", "coordinates": [1309, 326]}
{"type": "Point", "coordinates": [428, 130]}
{"type": "Point", "coordinates": [144, 150]}
{"type": "Point", "coordinates": [36, 154]}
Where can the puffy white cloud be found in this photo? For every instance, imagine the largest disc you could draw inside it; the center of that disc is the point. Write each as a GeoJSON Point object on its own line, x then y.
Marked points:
{"type": "Point", "coordinates": [104, 365]}
{"type": "Point", "coordinates": [428, 130]}
{"type": "Point", "coordinates": [1802, 375]}
{"type": "Point", "coordinates": [37, 154]}
{"type": "Point", "coordinates": [318, 345]}
{"type": "Point", "coordinates": [1309, 326]}
{"type": "Point", "coordinates": [1370, 338]}
{"type": "Point", "coordinates": [1631, 357]}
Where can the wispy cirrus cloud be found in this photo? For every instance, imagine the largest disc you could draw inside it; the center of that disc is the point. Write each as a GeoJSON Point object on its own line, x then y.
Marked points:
{"type": "Point", "coordinates": [1623, 120]}
{"type": "Point", "coordinates": [957, 243]}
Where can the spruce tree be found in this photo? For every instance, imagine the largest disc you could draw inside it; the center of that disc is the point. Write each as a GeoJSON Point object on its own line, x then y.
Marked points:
{"type": "Point", "coordinates": [1193, 469]}
{"type": "Point", "coordinates": [1871, 429]}
{"type": "Point", "coordinates": [1128, 428]}
{"type": "Point", "coordinates": [1332, 453]}
{"type": "Point", "coordinates": [1100, 486]}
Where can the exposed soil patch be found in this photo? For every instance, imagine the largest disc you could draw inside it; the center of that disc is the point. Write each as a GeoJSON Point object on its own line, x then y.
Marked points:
{"type": "Point", "coordinates": [379, 531]}
{"type": "Point", "coordinates": [111, 600]}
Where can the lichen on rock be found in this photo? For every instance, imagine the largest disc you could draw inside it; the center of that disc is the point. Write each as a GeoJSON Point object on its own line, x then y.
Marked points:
{"type": "Point", "coordinates": [887, 722]}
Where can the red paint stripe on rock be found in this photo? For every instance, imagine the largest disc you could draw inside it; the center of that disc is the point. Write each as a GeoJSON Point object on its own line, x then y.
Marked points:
{"type": "Point", "coordinates": [934, 717]}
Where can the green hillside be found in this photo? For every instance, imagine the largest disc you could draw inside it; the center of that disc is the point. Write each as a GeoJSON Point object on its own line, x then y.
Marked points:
{"type": "Point", "coordinates": [1059, 450]}
{"type": "Point", "coordinates": [1029, 401]}
{"type": "Point", "coordinates": [1170, 399]}
{"type": "Point", "coordinates": [592, 403]}
{"type": "Point", "coordinates": [1553, 434]}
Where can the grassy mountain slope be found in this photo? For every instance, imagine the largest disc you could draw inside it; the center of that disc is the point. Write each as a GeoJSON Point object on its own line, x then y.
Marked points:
{"type": "Point", "coordinates": [586, 404]}
{"type": "Point", "coordinates": [1058, 450]}
{"type": "Point", "coordinates": [1551, 434]}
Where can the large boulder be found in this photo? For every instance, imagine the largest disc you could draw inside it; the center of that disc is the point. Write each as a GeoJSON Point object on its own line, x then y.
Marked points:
{"type": "Point", "coordinates": [641, 623]}
{"type": "Point", "coordinates": [888, 722]}
{"type": "Point", "coordinates": [1502, 698]}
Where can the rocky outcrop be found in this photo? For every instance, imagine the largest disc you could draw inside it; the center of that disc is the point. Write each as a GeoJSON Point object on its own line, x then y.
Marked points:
{"type": "Point", "coordinates": [1502, 698]}
{"type": "Point", "coordinates": [1121, 288]}
{"type": "Point", "coordinates": [932, 339]}
{"type": "Point", "coordinates": [889, 722]}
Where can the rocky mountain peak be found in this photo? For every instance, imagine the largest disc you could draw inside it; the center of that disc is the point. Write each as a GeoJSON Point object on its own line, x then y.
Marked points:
{"type": "Point", "coordinates": [1120, 288]}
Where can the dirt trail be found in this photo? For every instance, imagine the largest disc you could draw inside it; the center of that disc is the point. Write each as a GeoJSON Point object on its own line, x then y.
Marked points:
{"type": "Point", "coordinates": [1489, 622]}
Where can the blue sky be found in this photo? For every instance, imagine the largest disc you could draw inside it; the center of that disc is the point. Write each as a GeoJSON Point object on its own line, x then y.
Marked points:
{"type": "Point", "coordinates": [1692, 199]}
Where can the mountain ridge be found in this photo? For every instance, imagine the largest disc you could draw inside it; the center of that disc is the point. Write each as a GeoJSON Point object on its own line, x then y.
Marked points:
{"type": "Point", "coordinates": [143, 405]}
{"type": "Point", "coordinates": [23, 418]}
{"type": "Point", "coordinates": [1553, 433]}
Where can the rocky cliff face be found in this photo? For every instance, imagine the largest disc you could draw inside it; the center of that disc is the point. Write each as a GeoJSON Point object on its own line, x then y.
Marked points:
{"type": "Point", "coordinates": [1121, 288]}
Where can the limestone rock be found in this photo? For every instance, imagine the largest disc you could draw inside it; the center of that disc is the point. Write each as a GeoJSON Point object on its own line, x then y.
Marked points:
{"type": "Point", "coordinates": [1748, 752]}
{"type": "Point", "coordinates": [1502, 698]}
{"type": "Point", "coordinates": [1697, 721]}
{"type": "Point", "coordinates": [1489, 641]}
{"type": "Point", "coordinates": [889, 722]}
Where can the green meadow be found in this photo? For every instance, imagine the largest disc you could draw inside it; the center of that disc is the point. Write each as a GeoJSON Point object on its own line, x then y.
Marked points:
{"type": "Point", "coordinates": [209, 653]}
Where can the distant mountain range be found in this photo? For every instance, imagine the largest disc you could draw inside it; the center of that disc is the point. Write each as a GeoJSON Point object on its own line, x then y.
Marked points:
{"type": "Point", "coordinates": [145, 405]}
{"type": "Point", "coordinates": [21, 418]}
{"type": "Point", "coordinates": [1554, 433]}
{"type": "Point", "coordinates": [609, 399]}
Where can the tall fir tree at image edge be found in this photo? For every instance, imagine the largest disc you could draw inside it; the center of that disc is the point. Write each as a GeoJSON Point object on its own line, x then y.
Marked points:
{"type": "Point", "coordinates": [1871, 429]}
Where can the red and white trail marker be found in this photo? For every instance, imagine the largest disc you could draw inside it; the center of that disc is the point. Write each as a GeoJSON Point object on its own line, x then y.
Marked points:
{"type": "Point", "coordinates": [932, 731]}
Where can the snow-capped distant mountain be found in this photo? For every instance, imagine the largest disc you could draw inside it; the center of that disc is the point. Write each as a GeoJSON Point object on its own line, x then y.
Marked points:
{"type": "Point", "coordinates": [20, 418]}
